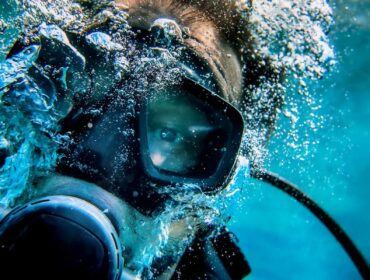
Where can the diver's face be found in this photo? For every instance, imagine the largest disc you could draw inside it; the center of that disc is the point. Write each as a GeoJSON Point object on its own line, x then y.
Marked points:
{"type": "Point", "coordinates": [177, 130]}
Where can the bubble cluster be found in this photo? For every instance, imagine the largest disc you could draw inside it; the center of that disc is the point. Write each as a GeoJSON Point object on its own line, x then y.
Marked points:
{"type": "Point", "coordinates": [292, 34]}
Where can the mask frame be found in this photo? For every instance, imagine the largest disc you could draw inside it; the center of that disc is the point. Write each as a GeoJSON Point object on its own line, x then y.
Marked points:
{"type": "Point", "coordinates": [216, 181]}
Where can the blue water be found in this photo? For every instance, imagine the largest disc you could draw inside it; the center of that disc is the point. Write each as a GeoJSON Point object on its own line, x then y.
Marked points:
{"type": "Point", "coordinates": [280, 238]}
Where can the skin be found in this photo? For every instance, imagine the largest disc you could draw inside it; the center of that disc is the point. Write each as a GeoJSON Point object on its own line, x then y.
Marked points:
{"type": "Point", "coordinates": [185, 129]}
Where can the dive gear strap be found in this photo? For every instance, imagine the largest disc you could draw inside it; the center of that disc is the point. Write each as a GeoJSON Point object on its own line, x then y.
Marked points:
{"type": "Point", "coordinates": [214, 254]}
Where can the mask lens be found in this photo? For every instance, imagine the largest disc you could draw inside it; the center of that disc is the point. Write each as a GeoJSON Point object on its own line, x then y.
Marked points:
{"type": "Point", "coordinates": [186, 136]}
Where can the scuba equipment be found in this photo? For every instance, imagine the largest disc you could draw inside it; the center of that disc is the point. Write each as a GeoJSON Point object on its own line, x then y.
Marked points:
{"type": "Point", "coordinates": [187, 116]}
{"type": "Point", "coordinates": [127, 165]}
{"type": "Point", "coordinates": [57, 237]}
{"type": "Point", "coordinates": [190, 135]}
{"type": "Point", "coordinates": [187, 135]}
{"type": "Point", "coordinates": [182, 133]}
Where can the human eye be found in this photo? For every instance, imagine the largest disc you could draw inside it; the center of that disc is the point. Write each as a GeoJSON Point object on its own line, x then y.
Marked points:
{"type": "Point", "coordinates": [168, 134]}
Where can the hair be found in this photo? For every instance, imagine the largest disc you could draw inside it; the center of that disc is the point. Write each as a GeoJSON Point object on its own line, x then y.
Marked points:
{"type": "Point", "coordinates": [228, 19]}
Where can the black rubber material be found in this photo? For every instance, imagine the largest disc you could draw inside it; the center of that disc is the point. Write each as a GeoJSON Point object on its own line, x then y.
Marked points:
{"type": "Point", "coordinates": [293, 191]}
{"type": "Point", "coordinates": [59, 237]}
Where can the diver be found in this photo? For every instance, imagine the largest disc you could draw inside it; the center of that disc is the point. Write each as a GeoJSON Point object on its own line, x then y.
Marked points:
{"type": "Point", "coordinates": [150, 112]}
{"type": "Point", "coordinates": [152, 98]}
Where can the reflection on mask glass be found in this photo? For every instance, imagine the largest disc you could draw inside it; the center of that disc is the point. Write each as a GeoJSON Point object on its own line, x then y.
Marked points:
{"type": "Point", "coordinates": [184, 134]}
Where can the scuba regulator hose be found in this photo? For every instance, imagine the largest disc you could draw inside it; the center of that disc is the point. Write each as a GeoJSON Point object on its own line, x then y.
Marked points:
{"type": "Point", "coordinates": [275, 180]}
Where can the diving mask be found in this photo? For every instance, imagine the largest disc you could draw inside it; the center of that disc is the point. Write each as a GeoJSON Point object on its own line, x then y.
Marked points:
{"type": "Point", "coordinates": [182, 134]}
{"type": "Point", "coordinates": [189, 135]}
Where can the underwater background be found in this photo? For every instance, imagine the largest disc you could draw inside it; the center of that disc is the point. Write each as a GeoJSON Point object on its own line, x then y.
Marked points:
{"type": "Point", "coordinates": [280, 238]}
{"type": "Point", "coordinates": [328, 159]}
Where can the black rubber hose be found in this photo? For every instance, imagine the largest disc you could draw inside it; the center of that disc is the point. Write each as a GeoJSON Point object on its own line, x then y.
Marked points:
{"type": "Point", "coordinates": [293, 191]}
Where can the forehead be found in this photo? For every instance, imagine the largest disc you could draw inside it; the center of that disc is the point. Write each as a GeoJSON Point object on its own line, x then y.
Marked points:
{"type": "Point", "coordinates": [202, 37]}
